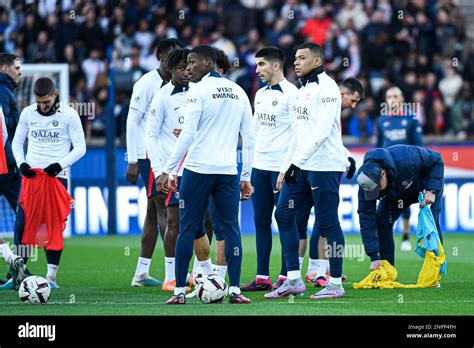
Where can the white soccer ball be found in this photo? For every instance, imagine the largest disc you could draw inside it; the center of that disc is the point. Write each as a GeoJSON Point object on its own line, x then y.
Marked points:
{"type": "Point", "coordinates": [213, 289]}
{"type": "Point", "coordinates": [34, 290]}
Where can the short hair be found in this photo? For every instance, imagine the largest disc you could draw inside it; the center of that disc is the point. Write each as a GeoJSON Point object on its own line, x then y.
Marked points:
{"type": "Point", "coordinates": [205, 51]}
{"type": "Point", "coordinates": [272, 54]}
{"type": "Point", "coordinates": [167, 44]}
{"type": "Point", "coordinates": [176, 57]}
{"type": "Point", "coordinates": [222, 61]}
{"type": "Point", "coordinates": [395, 89]}
{"type": "Point", "coordinates": [7, 58]}
{"type": "Point", "coordinates": [313, 47]}
{"type": "Point", "coordinates": [44, 86]}
{"type": "Point", "coordinates": [353, 85]}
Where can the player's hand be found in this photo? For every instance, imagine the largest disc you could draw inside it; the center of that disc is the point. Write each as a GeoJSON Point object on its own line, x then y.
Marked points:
{"type": "Point", "coordinates": [245, 190]}
{"type": "Point", "coordinates": [14, 172]}
{"type": "Point", "coordinates": [429, 198]}
{"type": "Point", "coordinates": [132, 173]}
{"type": "Point", "coordinates": [177, 132]}
{"type": "Point", "coordinates": [352, 168]}
{"type": "Point", "coordinates": [25, 169]}
{"type": "Point", "coordinates": [173, 183]}
{"type": "Point", "coordinates": [279, 183]}
{"type": "Point", "coordinates": [53, 169]}
{"type": "Point", "coordinates": [375, 264]}
{"type": "Point", "coordinates": [290, 175]}
{"type": "Point", "coordinates": [162, 183]}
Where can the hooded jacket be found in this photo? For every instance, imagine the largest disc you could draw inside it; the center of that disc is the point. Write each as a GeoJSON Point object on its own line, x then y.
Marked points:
{"type": "Point", "coordinates": [411, 169]}
{"type": "Point", "coordinates": [10, 111]}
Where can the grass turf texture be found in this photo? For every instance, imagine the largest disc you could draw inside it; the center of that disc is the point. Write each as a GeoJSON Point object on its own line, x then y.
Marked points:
{"type": "Point", "coordinates": [95, 276]}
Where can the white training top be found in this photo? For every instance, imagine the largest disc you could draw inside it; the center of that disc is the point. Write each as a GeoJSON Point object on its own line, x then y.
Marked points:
{"type": "Point", "coordinates": [167, 111]}
{"type": "Point", "coordinates": [4, 127]}
{"type": "Point", "coordinates": [143, 92]}
{"type": "Point", "coordinates": [217, 109]}
{"type": "Point", "coordinates": [318, 132]}
{"type": "Point", "coordinates": [49, 138]}
{"type": "Point", "coordinates": [273, 122]}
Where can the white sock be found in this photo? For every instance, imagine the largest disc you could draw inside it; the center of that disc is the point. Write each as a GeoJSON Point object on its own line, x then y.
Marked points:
{"type": "Point", "coordinates": [6, 253]}
{"type": "Point", "coordinates": [52, 270]}
{"type": "Point", "coordinates": [143, 266]}
{"type": "Point", "coordinates": [178, 291]}
{"type": "Point", "coordinates": [281, 276]}
{"type": "Point", "coordinates": [196, 268]}
{"type": "Point", "coordinates": [318, 267]}
{"type": "Point", "coordinates": [301, 258]}
{"type": "Point", "coordinates": [234, 290]}
{"type": "Point", "coordinates": [220, 270]}
{"type": "Point", "coordinates": [292, 275]}
{"type": "Point", "coordinates": [169, 269]}
{"type": "Point", "coordinates": [264, 277]}
{"type": "Point", "coordinates": [335, 281]}
{"type": "Point", "coordinates": [206, 267]}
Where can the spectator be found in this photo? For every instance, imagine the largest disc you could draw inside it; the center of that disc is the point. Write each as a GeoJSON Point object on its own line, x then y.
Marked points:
{"type": "Point", "coordinates": [462, 111]}
{"type": "Point", "coordinates": [92, 67]}
{"type": "Point", "coordinates": [143, 37]}
{"type": "Point", "coordinates": [316, 29]}
{"type": "Point", "coordinates": [42, 51]}
{"type": "Point", "coordinates": [352, 11]}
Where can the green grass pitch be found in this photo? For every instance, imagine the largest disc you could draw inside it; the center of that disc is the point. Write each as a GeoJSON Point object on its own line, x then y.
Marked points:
{"type": "Point", "coordinates": [95, 276]}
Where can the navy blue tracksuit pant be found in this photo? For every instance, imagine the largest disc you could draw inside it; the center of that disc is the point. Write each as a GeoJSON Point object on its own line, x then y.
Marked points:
{"type": "Point", "coordinates": [194, 194]}
{"type": "Point", "coordinates": [324, 189]}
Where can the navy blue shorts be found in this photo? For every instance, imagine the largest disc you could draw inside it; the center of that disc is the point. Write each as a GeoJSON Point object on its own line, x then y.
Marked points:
{"type": "Point", "coordinates": [148, 177]}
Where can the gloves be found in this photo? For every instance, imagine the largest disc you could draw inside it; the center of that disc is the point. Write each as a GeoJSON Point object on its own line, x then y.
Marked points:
{"type": "Point", "coordinates": [290, 175]}
{"type": "Point", "coordinates": [352, 168]}
{"type": "Point", "coordinates": [25, 169]}
{"type": "Point", "coordinates": [53, 169]}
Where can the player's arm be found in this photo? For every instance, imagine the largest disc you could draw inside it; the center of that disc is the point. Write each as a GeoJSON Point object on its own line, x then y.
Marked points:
{"type": "Point", "coordinates": [379, 141]}
{"type": "Point", "coordinates": [433, 165]}
{"type": "Point", "coordinates": [368, 226]}
{"type": "Point", "coordinates": [247, 131]}
{"type": "Point", "coordinates": [351, 164]}
{"type": "Point", "coordinates": [194, 106]}
{"type": "Point", "coordinates": [18, 143]}
{"type": "Point", "coordinates": [327, 112]}
{"type": "Point", "coordinates": [4, 127]}
{"type": "Point", "coordinates": [154, 122]}
{"type": "Point", "coordinates": [292, 144]}
{"type": "Point", "coordinates": [76, 133]}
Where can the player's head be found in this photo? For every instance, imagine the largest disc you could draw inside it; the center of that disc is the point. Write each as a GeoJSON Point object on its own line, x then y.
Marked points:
{"type": "Point", "coordinates": [45, 94]}
{"type": "Point", "coordinates": [165, 47]}
{"type": "Point", "coordinates": [351, 92]}
{"type": "Point", "coordinates": [222, 62]}
{"type": "Point", "coordinates": [177, 64]}
{"type": "Point", "coordinates": [201, 61]}
{"type": "Point", "coordinates": [270, 61]}
{"type": "Point", "coordinates": [394, 99]}
{"type": "Point", "coordinates": [10, 65]}
{"type": "Point", "coordinates": [308, 57]}
{"type": "Point", "coordinates": [372, 179]}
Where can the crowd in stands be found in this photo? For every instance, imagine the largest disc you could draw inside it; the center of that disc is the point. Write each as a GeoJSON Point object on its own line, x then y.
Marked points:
{"type": "Point", "coordinates": [420, 46]}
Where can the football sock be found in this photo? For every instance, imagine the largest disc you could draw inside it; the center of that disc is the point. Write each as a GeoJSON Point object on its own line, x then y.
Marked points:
{"type": "Point", "coordinates": [405, 237]}
{"type": "Point", "coordinates": [221, 271]}
{"type": "Point", "coordinates": [293, 275]}
{"type": "Point", "coordinates": [335, 281]}
{"type": "Point", "coordinates": [169, 269]}
{"type": "Point", "coordinates": [52, 271]}
{"type": "Point", "coordinates": [53, 256]}
{"type": "Point", "coordinates": [234, 290]}
{"type": "Point", "coordinates": [264, 277]}
{"type": "Point", "coordinates": [301, 259]}
{"type": "Point", "coordinates": [6, 253]}
{"type": "Point", "coordinates": [143, 266]}
{"type": "Point", "coordinates": [196, 268]}
{"type": "Point", "coordinates": [179, 290]}
{"type": "Point", "coordinates": [206, 267]}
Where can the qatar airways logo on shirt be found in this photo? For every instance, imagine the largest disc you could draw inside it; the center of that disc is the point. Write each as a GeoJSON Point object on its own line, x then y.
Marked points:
{"type": "Point", "coordinates": [302, 113]}
{"type": "Point", "coordinates": [45, 136]}
{"type": "Point", "coordinates": [266, 119]}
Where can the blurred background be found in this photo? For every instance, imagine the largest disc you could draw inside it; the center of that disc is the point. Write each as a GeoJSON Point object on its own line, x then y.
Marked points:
{"type": "Point", "coordinates": [425, 47]}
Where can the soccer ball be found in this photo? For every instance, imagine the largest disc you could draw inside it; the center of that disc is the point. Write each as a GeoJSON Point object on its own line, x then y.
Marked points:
{"type": "Point", "coordinates": [34, 290]}
{"type": "Point", "coordinates": [213, 289]}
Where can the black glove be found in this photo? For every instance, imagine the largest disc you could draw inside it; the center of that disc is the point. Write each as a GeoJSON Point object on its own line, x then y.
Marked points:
{"type": "Point", "coordinates": [352, 168]}
{"type": "Point", "coordinates": [13, 171]}
{"type": "Point", "coordinates": [290, 175]}
{"type": "Point", "coordinates": [25, 169]}
{"type": "Point", "coordinates": [53, 169]}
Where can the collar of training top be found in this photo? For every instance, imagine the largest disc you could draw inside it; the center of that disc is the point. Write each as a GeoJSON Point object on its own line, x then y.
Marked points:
{"type": "Point", "coordinates": [276, 87]}
{"type": "Point", "coordinates": [312, 76]}
{"type": "Point", "coordinates": [213, 74]}
{"type": "Point", "coordinates": [53, 109]}
{"type": "Point", "coordinates": [179, 90]}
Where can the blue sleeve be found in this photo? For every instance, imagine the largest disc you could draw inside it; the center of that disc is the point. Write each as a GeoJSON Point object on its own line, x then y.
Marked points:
{"type": "Point", "coordinates": [368, 226]}
{"type": "Point", "coordinates": [432, 167]}
{"type": "Point", "coordinates": [379, 141]}
{"type": "Point", "coordinates": [416, 133]}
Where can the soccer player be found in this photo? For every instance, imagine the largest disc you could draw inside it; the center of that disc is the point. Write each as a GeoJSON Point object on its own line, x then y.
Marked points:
{"type": "Point", "coordinates": [399, 125]}
{"type": "Point", "coordinates": [315, 163]}
{"type": "Point", "coordinates": [51, 130]}
{"type": "Point", "coordinates": [143, 92]}
{"type": "Point", "coordinates": [393, 175]}
{"type": "Point", "coordinates": [318, 267]}
{"type": "Point", "coordinates": [217, 110]}
{"type": "Point", "coordinates": [273, 122]}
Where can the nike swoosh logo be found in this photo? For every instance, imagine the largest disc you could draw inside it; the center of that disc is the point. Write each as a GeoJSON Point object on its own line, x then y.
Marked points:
{"type": "Point", "coordinates": [177, 108]}
{"type": "Point", "coordinates": [314, 188]}
{"type": "Point", "coordinates": [276, 191]}
{"type": "Point", "coordinates": [284, 292]}
{"type": "Point", "coordinates": [32, 123]}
